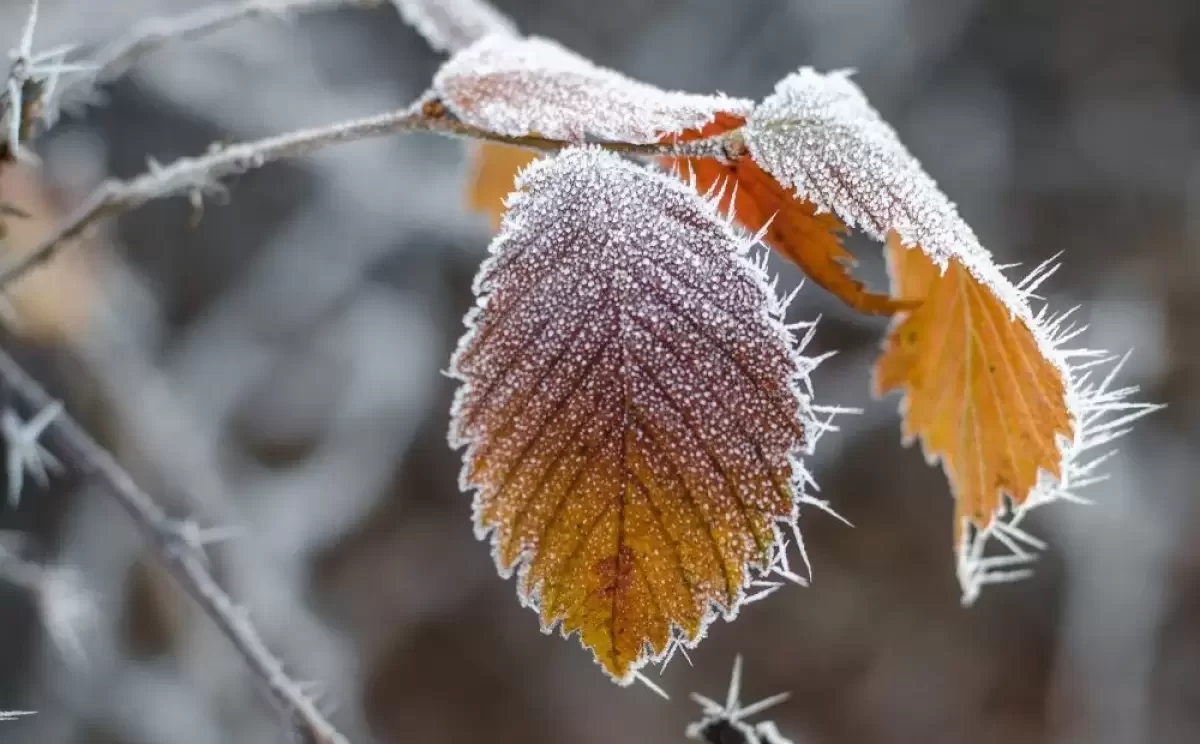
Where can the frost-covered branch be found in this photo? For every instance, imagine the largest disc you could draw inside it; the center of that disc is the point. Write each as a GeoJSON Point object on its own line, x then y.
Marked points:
{"type": "Point", "coordinates": [196, 175]}
{"type": "Point", "coordinates": [32, 92]}
{"type": "Point", "coordinates": [114, 59]}
{"type": "Point", "coordinates": [177, 547]}
{"type": "Point", "coordinates": [453, 25]}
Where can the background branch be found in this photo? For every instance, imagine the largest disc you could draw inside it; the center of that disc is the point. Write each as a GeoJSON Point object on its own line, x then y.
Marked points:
{"type": "Point", "coordinates": [114, 59]}
{"type": "Point", "coordinates": [179, 554]}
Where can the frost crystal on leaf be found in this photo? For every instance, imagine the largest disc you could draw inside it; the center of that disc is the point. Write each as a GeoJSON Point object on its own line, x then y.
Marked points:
{"type": "Point", "coordinates": [818, 135]}
{"type": "Point", "coordinates": [534, 86]}
{"type": "Point", "coordinates": [632, 407]}
{"type": "Point", "coordinates": [451, 25]}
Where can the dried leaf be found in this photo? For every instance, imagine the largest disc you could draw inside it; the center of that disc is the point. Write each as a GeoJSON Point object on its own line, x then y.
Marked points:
{"type": "Point", "coordinates": [533, 86]}
{"type": "Point", "coordinates": [494, 169]}
{"type": "Point", "coordinates": [994, 396]}
{"type": "Point", "coordinates": [980, 393]}
{"type": "Point", "coordinates": [631, 406]}
{"type": "Point", "coordinates": [794, 227]}
{"type": "Point", "coordinates": [989, 387]}
{"type": "Point", "coordinates": [452, 25]}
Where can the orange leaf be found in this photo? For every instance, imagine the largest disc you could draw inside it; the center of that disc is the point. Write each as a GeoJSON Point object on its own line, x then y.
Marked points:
{"type": "Point", "coordinates": [809, 239]}
{"type": "Point", "coordinates": [991, 390]}
{"type": "Point", "coordinates": [631, 408]}
{"type": "Point", "coordinates": [494, 168]}
{"type": "Point", "coordinates": [981, 394]}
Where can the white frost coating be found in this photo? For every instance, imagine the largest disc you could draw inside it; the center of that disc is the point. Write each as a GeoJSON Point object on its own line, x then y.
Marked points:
{"type": "Point", "coordinates": [617, 306]}
{"type": "Point", "coordinates": [452, 25]}
{"type": "Point", "coordinates": [819, 135]}
{"type": "Point", "coordinates": [519, 87]}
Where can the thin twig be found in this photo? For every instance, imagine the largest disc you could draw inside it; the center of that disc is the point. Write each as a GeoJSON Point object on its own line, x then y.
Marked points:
{"type": "Point", "coordinates": [116, 58]}
{"type": "Point", "coordinates": [453, 25]}
{"type": "Point", "coordinates": [183, 559]}
{"type": "Point", "coordinates": [194, 175]}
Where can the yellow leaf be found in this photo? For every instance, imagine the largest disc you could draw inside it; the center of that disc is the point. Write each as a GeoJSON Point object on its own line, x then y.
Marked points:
{"type": "Point", "coordinates": [631, 408]}
{"type": "Point", "coordinates": [494, 168]}
{"type": "Point", "coordinates": [980, 393]}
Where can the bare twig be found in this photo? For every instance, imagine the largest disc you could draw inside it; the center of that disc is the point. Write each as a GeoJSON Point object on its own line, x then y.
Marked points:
{"type": "Point", "coordinates": [183, 559]}
{"type": "Point", "coordinates": [31, 95]}
{"type": "Point", "coordinates": [194, 175]}
{"type": "Point", "coordinates": [116, 58]}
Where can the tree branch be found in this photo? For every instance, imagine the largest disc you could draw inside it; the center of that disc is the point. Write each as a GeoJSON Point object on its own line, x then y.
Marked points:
{"type": "Point", "coordinates": [181, 556]}
{"type": "Point", "coordinates": [453, 25]}
{"type": "Point", "coordinates": [114, 59]}
{"type": "Point", "coordinates": [194, 175]}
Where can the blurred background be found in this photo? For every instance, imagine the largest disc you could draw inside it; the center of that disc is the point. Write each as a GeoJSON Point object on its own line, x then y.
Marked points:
{"type": "Point", "coordinates": [277, 366]}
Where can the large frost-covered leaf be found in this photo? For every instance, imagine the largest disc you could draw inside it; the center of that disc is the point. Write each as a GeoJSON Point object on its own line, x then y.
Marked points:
{"type": "Point", "coordinates": [534, 86]}
{"type": "Point", "coordinates": [631, 405]}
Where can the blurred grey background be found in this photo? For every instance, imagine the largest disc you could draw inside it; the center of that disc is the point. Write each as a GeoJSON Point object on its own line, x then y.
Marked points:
{"type": "Point", "coordinates": [277, 366]}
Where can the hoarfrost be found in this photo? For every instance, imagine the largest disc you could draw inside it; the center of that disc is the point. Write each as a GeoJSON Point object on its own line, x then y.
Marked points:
{"type": "Point", "coordinates": [633, 407]}
{"type": "Point", "coordinates": [534, 86]}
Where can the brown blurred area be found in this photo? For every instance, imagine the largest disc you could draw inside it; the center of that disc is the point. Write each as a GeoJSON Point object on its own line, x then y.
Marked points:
{"type": "Point", "coordinates": [277, 367]}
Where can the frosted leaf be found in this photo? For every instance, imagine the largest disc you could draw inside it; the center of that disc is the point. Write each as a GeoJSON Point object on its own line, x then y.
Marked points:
{"type": "Point", "coordinates": [632, 408]}
{"type": "Point", "coordinates": [452, 25]}
{"type": "Point", "coordinates": [530, 86]}
{"type": "Point", "coordinates": [818, 135]}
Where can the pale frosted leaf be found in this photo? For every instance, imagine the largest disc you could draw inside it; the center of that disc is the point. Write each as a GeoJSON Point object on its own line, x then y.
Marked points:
{"type": "Point", "coordinates": [534, 86]}
{"type": "Point", "coordinates": [818, 135]}
{"type": "Point", "coordinates": [632, 406]}
{"type": "Point", "coordinates": [989, 388]}
{"type": "Point", "coordinates": [792, 226]}
{"type": "Point", "coordinates": [452, 25]}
